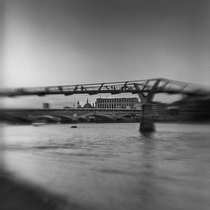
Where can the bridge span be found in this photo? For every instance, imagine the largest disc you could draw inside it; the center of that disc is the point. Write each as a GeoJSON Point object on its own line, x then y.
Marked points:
{"type": "Point", "coordinates": [146, 90]}
{"type": "Point", "coordinates": [69, 116]}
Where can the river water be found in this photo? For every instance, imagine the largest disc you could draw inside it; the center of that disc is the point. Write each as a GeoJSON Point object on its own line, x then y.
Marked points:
{"type": "Point", "coordinates": [113, 166]}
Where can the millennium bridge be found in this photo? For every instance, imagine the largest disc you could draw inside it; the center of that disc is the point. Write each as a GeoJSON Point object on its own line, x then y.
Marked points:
{"type": "Point", "coordinates": [145, 89]}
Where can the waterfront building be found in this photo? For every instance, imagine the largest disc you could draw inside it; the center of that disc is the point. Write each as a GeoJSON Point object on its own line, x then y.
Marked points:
{"type": "Point", "coordinates": [46, 106]}
{"type": "Point", "coordinates": [117, 103]}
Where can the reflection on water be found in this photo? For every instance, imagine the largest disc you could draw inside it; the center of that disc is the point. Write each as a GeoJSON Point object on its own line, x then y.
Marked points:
{"type": "Point", "coordinates": [113, 166]}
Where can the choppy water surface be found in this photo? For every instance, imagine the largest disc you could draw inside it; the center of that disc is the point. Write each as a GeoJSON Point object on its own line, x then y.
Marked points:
{"type": "Point", "coordinates": [101, 166]}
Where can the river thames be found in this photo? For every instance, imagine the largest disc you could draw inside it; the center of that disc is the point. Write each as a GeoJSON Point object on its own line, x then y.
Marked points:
{"type": "Point", "coordinates": [112, 165]}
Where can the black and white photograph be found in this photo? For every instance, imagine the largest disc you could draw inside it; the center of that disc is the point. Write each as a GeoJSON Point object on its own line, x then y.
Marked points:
{"type": "Point", "coordinates": [104, 104]}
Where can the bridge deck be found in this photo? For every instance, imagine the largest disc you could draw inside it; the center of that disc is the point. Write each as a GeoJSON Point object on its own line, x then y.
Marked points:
{"type": "Point", "coordinates": [144, 86]}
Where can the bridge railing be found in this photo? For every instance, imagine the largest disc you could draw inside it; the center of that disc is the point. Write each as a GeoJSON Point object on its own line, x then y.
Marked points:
{"type": "Point", "coordinates": [137, 86]}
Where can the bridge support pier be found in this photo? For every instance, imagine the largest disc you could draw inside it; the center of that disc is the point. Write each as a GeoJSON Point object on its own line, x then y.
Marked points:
{"type": "Point", "coordinates": [147, 120]}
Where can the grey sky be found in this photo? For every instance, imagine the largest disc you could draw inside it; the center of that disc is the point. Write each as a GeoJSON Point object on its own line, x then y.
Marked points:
{"type": "Point", "coordinates": [55, 42]}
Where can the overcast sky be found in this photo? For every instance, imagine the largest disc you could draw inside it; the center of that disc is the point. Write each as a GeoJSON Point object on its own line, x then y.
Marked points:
{"type": "Point", "coordinates": [59, 42]}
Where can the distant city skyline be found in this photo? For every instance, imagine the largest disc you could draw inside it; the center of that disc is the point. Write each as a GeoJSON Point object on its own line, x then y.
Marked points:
{"type": "Point", "coordinates": [74, 103]}
{"type": "Point", "coordinates": [61, 42]}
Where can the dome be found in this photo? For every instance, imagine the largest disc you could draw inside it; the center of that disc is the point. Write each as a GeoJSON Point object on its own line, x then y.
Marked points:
{"type": "Point", "coordinates": [87, 105]}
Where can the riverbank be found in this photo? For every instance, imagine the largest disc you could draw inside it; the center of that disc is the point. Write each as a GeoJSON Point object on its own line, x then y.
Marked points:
{"type": "Point", "coordinates": [16, 195]}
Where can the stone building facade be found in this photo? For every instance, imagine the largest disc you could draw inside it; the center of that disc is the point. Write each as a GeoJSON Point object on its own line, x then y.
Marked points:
{"type": "Point", "coordinates": [117, 103]}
